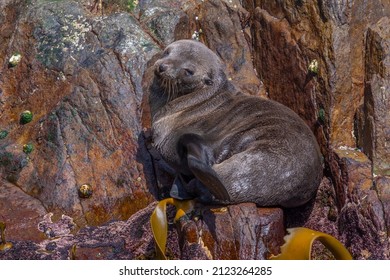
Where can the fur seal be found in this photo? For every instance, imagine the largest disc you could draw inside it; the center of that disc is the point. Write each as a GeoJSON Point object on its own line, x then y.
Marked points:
{"type": "Point", "coordinates": [227, 147]}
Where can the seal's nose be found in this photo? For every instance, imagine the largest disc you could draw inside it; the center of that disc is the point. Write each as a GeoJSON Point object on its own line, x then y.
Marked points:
{"type": "Point", "coordinates": [162, 67]}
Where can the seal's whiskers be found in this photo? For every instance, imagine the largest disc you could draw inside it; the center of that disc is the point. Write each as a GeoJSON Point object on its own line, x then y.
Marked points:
{"type": "Point", "coordinates": [170, 88]}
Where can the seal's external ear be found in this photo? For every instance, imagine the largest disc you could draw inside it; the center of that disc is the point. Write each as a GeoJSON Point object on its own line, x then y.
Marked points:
{"type": "Point", "coordinates": [222, 75]}
{"type": "Point", "coordinates": [209, 79]}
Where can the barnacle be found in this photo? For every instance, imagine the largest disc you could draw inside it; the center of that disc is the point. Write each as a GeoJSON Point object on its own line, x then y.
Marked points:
{"type": "Point", "coordinates": [313, 67]}
{"type": "Point", "coordinates": [28, 148]}
{"type": "Point", "coordinates": [321, 115]}
{"type": "Point", "coordinates": [196, 34]}
{"type": "Point", "coordinates": [15, 59]}
{"type": "Point", "coordinates": [26, 117]}
{"type": "Point", "coordinates": [3, 134]}
{"type": "Point", "coordinates": [131, 5]}
{"type": "Point", "coordinates": [85, 191]}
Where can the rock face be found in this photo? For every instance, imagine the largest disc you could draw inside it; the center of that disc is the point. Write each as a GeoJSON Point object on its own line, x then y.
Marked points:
{"type": "Point", "coordinates": [80, 78]}
{"type": "Point", "coordinates": [249, 233]}
{"type": "Point", "coordinates": [343, 102]}
{"type": "Point", "coordinates": [81, 74]}
{"type": "Point", "coordinates": [374, 138]}
{"type": "Point", "coordinates": [131, 239]}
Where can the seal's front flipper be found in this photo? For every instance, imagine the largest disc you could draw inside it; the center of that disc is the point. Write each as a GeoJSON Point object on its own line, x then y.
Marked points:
{"type": "Point", "coordinates": [195, 154]}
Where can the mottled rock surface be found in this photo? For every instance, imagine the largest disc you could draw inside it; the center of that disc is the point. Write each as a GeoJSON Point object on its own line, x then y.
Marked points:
{"type": "Point", "coordinates": [343, 102]}
{"type": "Point", "coordinates": [130, 239]}
{"type": "Point", "coordinates": [375, 126]}
{"type": "Point", "coordinates": [249, 233]}
{"type": "Point", "coordinates": [21, 213]}
{"type": "Point", "coordinates": [82, 75]}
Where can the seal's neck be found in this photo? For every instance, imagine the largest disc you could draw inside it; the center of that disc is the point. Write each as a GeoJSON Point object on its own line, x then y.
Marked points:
{"type": "Point", "coordinates": [200, 96]}
{"type": "Point", "coordinates": [159, 103]}
{"type": "Point", "coordinates": [157, 97]}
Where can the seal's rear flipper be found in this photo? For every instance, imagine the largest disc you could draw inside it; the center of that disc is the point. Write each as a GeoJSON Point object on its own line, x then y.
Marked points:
{"type": "Point", "coordinates": [178, 189]}
{"type": "Point", "coordinates": [195, 154]}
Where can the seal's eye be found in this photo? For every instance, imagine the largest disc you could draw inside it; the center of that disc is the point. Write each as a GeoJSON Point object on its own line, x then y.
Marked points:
{"type": "Point", "coordinates": [166, 53]}
{"type": "Point", "coordinates": [188, 72]}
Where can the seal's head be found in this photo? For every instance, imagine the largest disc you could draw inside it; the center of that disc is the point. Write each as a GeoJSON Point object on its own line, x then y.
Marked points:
{"type": "Point", "coordinates": [188, 66]}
